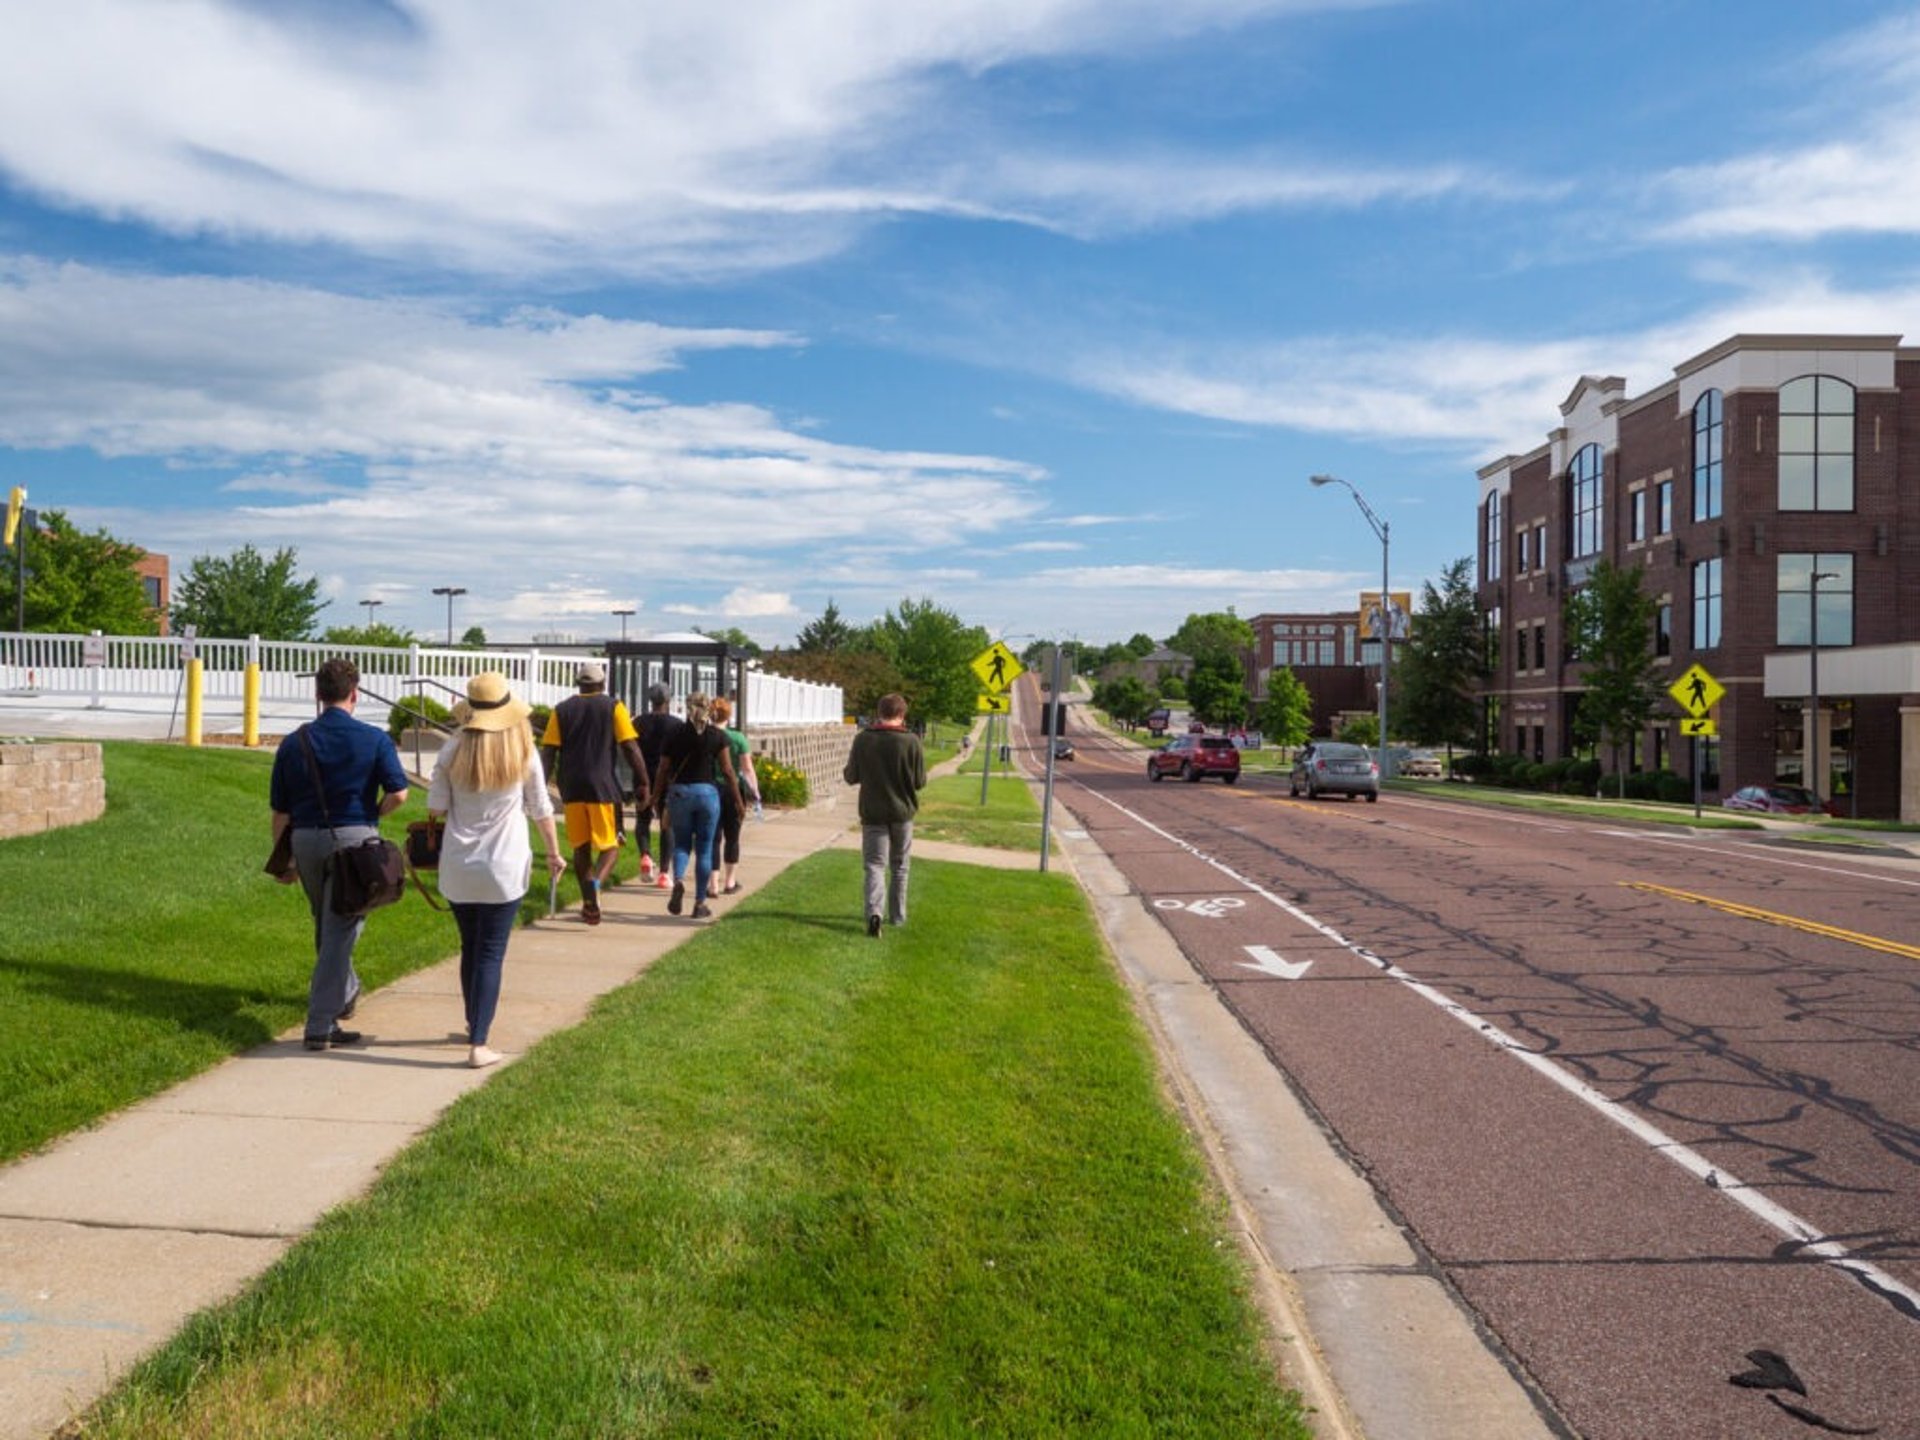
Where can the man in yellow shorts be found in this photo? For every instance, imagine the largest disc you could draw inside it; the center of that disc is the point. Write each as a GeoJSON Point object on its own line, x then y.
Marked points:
{"type": "Point", "coordinates": [583, 734]}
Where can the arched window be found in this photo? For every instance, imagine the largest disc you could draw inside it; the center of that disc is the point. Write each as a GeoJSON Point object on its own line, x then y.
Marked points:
{"type": "Point", "coordinates": [1491, 569]}
{"type": "Point", "coordinates": [1583, 487]}
{"type": "Point", "coordinates": [1816, 444]}
{"type": "Point", "coordinates": [1709, 435]}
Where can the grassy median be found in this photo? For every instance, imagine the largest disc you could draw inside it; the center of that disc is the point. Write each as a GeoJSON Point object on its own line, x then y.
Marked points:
{"type": "Point", "coordinates": [793, 1181]}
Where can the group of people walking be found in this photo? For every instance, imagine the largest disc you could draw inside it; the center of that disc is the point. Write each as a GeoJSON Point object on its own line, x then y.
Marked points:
{"type": "Point", "coordinates": [335, 777]}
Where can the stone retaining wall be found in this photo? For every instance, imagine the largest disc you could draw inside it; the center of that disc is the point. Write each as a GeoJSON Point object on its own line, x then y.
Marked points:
{"type": "Point", "coordinates": [817, 751]}
{"type": "Point", "coordinates": [46, 785]}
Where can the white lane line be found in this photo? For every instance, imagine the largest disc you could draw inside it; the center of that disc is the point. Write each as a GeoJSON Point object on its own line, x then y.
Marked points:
{"type": "Point", "coordinates": [1776, 1217]}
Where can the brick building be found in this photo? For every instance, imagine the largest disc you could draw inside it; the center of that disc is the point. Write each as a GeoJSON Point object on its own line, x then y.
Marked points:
{"type": "Point", "coordinates": [1325, 653]}
{"type": "Point", "coordinates": [1771, 471]}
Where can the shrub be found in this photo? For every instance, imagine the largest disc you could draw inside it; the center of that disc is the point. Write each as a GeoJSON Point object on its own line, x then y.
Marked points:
{"type": "Point", "coordinates": [405, 715]}
{"type": "Point", "coordinates": [1675, 789]}
{"type": "Point", "coordinates": [1472, 767]}
{"type": "Point", "coordinates": [1643, 785]}
{"type": "Point", "coordinates": [781, 784]}
{"type": "Point", "coordinates": [538, 718]}
{"type": "Point", "coordinates": [1582, 777]}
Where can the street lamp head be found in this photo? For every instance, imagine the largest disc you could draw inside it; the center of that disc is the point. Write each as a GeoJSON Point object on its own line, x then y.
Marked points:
{"type": "Point", "coordinates": [1324, 480]}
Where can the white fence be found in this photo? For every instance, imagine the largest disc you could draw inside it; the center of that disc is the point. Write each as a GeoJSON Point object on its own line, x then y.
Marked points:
{"type": "Point", "coordinates": [150, 667]}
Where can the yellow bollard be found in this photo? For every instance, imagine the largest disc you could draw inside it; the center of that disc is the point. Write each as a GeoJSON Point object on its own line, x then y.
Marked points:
{"type": "Point", "coordinates": [194, 686]}
{"type": "Point", "coordinates": [250, 717]}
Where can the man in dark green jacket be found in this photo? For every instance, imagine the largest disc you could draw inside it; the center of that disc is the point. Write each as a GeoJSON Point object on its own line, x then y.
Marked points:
{"type": "Point", "coordinates": [887, 764]}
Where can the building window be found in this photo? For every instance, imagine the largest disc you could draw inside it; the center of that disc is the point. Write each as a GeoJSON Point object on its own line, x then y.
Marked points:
{"type": "Point", "coordinates": [1326, 652]}
{"type": "Point", "coordinates": [1663, 508]}
{"type": "Point", "coordinates": [1637, 517]}
{"type": "Point", "coordinates": [1540, 546]}
{"type": "Point", "coordinates": [1706, 604]}
{"type": "Point", "coordinates": [1583, 486]}
{"type": "Point", "coordinates": [1494, 530]}
{"type": "Point", "coordinates": [1794, 625]}
{"type": "Point", "coordinates": [1816, 444]}
{"type": "Point", "coordinates": [1540, 646]}
{"type": "Point", "coordinates": [1663, 628]}
{"type": "Point", "coordinates": [1520, 649]}
{"type": "Point", "coordinates": [1709, 434]}
{"type": "Point", "coordinates": [151, 584]}
{"type": "Point", "coordinates": [1520, 551]}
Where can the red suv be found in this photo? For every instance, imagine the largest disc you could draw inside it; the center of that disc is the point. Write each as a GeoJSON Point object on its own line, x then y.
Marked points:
{"type": "Point", "coordinates": [1194, 756]}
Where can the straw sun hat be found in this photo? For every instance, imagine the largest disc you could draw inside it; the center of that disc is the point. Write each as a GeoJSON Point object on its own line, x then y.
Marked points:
{"type": "Point", "coordinates": [495, 707]}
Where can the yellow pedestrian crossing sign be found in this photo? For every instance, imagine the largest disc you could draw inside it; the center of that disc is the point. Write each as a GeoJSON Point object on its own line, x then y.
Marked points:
{"type": "Point", "coordinates": [1702, 729]}
{"type": "Point", "coordinates": [1697, 691]}
{"type": "Point", "coordinates": [997, 666]}
{"type": "Point", "coordinates": [988, 704]}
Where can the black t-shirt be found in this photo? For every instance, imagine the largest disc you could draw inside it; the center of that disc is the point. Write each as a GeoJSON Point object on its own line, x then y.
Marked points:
{"type": "Point", "coordinates": [655, 727]}
{"type": "Point", "coordinates": [693, 756]}
{"type": "Point", "coordinates": [586, 730]}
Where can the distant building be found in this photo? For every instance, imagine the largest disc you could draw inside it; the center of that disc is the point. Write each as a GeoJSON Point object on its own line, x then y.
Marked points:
{"type": "Point", "coordinates": [1150, 669]}
{"type": "Point", "coordinates": [156, 576]}
{"type": "Point", "coordinates": [1765, 462]}
{"type": "Point", "coordinates": [1325, 653]}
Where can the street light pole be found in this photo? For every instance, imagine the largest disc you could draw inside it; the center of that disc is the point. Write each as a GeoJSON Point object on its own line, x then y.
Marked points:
{"type": "Point", "coordinates": [449, 591]}
{"type": "Point", "coordinates": [623, 614]}
{"type": "Point", "coordinates": [1816, 754]}
{"type": "Point", "coordinates": [370, 604]}
{"type": "Point", "coordinates": [1384, 613]}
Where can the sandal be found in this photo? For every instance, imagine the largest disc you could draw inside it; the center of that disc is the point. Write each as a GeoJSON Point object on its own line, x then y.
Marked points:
{"type": "Point", "coordinates": [733, 889]}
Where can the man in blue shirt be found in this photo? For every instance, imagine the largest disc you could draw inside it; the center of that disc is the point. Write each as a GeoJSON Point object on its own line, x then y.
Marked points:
{"type": "Point", "coordinates": [360, 770]}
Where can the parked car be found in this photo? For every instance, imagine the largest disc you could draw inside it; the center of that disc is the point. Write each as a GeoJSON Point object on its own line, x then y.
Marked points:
{"type": "Point", "coordinates": [1778, 799]}
{"type": "Point", "coordinates": [1193, 757]}
{"type": "Point", "coordinates": [1332, 767]}
{"type": "Point", "coordinates": [1423, 765]}
{"type": "Point", "coordinates": [1063, 749]}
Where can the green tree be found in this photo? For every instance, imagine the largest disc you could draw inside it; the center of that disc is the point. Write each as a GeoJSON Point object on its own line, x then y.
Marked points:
{"type": "Point", "coordinates": [1141, 646]}
{"type": "Point", "coordinates": [1217, 690]}
{"type": "Point", "coordinates": [246, 593]}
{"type": "Point", "coordinates": [862, 675]}
{"type": "Point", "coordinates": [1173, 687]}
{"type": "Point", "coordinates": [1126, 700]}
{"type": "Point", "coordinates": [473, 638]}
{"type": "Point", "coordinates": [79, 582]}
{"type": "Point", "coordinates": [737, 638]}
{"type": "Point", "coordinates": [1212, 636]}
{"type": "Point", "coordinates": [930, 646]}
{"type": "Point", "coordinates": [1286, 715]}
{"type": "Point", "coordinates": [1438, 672]}
{"type": "Point", "coordinates": [1361, 730]}
{"type": "Point", "coordinates": [1611, 621]}
{"type": "Point", "coordinates": [828, 633]}
{"type": "Point", "coordinates": [384, 636]}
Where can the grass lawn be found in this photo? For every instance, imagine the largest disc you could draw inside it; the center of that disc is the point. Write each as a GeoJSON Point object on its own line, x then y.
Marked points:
{"type": "Point", "coordinates": [147, 946]}
{"type": "Point", "coordinates": [950, 809]}
{"type": "Point", "coordinates": [1644, 812]}
{"type": "Point", "coordinates": [789, 1182]}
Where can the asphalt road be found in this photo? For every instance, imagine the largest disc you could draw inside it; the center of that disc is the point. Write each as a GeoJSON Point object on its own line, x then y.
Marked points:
{"type": "Point", "coordinates": [1649, 1100]}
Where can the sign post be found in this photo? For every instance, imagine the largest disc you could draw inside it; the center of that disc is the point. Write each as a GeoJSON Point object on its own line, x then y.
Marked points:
{"type": "Point", "coordinates": [998, 667]}
{"type": "Point", "coordinates": [1697, 692]}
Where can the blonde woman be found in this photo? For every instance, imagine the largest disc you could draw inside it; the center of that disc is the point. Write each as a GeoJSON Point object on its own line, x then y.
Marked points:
{"type": "Point", "coordinates": [486, 785]}
{"type": "Point", "coordinates": [695, 764]}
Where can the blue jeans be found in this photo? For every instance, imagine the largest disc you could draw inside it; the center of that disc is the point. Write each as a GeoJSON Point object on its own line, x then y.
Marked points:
{"type": "Point", "coordinates": [484, 932]}
{"type": "Point", "coordinates": [694, 811]}
{"type": "Point", "coordinates": [334, 982]}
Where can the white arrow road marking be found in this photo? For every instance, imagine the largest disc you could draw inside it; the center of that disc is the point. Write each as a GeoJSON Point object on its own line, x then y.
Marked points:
{"type": "Point", "coordinates": [1265, 961]}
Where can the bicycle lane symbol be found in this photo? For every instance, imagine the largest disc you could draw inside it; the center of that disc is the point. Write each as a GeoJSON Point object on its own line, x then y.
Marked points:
{"type": "Point", "coordinates": [1214, 908]}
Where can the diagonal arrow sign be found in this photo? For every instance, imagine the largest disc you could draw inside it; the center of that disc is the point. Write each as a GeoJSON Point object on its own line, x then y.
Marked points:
{"type": "Point", "coordinates": [1268, 963]}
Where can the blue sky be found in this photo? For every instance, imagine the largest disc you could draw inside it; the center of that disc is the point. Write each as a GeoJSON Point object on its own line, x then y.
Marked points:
{"type": "Point", "coordinates": [1044, 309]}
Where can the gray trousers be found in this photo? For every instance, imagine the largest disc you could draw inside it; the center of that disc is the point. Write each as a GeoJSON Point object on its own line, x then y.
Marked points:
{"type": "Point", "coordinates": [335, 982]}
{"type": "Point", "coordinates": [886, 849]}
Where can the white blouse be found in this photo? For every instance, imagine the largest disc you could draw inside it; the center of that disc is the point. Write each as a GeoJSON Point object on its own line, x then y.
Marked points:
{"type": "Point", "coordinates": [485, 855]}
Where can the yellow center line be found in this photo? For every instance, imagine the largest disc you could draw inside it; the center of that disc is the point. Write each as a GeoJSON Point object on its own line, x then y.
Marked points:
{"type": "Point", "coordinates": [1791, 922]}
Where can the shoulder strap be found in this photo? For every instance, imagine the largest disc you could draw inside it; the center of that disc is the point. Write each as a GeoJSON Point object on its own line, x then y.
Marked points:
{"type": "Point", "coordinates": [319, 784]}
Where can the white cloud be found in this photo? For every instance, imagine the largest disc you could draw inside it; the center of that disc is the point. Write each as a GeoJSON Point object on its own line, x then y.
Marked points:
{"type": "Point", "coordinates": [1855, 179]}
{"type": "Point", "coordinates": [667, 137]}
{"type": "Point", "coordinates": [1471, 393]}
{"type": "Point", "coordinates": [456, 443]}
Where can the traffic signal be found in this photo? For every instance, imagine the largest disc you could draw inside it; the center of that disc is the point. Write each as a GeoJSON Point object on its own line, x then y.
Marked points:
{"type": "Point", "coordinates": [16, 502]}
